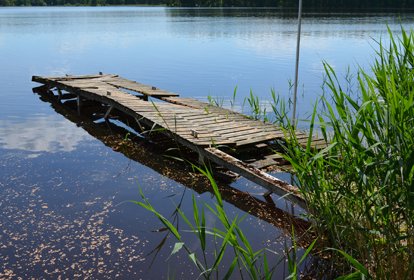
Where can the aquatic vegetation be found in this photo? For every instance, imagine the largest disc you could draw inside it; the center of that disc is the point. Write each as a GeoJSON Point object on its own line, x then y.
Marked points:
{"type": "Point", "coordinates": [360, 189]}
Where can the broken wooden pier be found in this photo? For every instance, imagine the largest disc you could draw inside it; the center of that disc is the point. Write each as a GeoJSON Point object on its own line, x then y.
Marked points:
{"type": "Point", "coordinates": [216, 134]}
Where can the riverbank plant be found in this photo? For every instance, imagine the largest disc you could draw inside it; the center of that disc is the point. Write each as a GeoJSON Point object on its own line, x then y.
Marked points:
{"type": "Point", "coordinates": [360, 188]}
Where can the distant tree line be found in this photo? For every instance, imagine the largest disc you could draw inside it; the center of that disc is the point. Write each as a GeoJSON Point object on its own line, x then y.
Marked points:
{"type": "Point", "coordinates": [294, 3]}
{"type": "Point", "coordinates": [317, 4]}
{"type": "Point", "coordinates": [78, 2]}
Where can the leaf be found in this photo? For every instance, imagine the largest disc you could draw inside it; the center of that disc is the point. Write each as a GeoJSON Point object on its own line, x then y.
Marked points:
{"type": "Point", "coordinates": [164, 220]}
{"type": "Point", "coordinates": [231, 269]}
{"type": "Point", "coordinates": [307, 251]}
{"type": "Point", "coordinates": [357, 265]}
{"type": "Point", "coordinates": [352, 276]}
{"type": "Point", "coordinates": [203, 231]}
{"type": "Point", "coordinates": [266, 266]}
{"type": "Point", "coordinates": [177, 247]}
{"type": "Point", "coordinates": [226, 242]}
{"type": "Point", "coordinates": [193, 258]}
{"type": "Point", "coordinates": [323, 152]}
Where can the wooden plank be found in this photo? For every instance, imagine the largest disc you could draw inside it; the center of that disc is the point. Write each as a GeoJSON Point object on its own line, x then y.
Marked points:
{"type": "Point", "coordinates": [189, 102]}
{"type": "Point", "coordinates": [263, 163]}
{"type": "Point", "coordinates": [200, 115]}
{"type": "Point", "coordinates": [184, 130]}
{"type": "Point", "coordinates": [261, 146]}
{"type": "Point", "coordinates": [256, 134]}
{"type": "Point", "coordinates": [190, 112]}
{"type": "Point", "coordinates": [254, 140]}
{"type": "Point", "coordinates": [271, 183]}
{"type": "Point", "coordinates": [177, 111]}
{"type": "Point", "coordinates": [228, 127]}
{"type": "Point", "coordinates": [212, 123]}
{"type": "Point", "coordinates": [274, 156]}
{"type": "Point", "coordinates": [80, 77]}
{"type": "Point", "coordinates": [237, 129]}
{"type": "Point", "coordinates": [270, 160]}
{"type": "Point", "coordinates": [247, 131]}
{"type": "Point", "coordinates": [138, 87]}
{"type": "Point", "coordinates": [166, 115]}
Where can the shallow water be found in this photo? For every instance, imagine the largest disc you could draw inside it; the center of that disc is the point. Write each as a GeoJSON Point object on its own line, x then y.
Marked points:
{"type": "Point", "coordinates": [65, 190]}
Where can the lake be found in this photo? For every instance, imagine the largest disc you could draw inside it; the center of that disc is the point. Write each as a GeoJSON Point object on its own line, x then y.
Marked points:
{"type": "Point", "coordinates": [65, 187]}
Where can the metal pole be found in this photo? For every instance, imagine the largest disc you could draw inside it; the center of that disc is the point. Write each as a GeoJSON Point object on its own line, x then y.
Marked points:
{"type": "Point", "coordinates": [295, 89]}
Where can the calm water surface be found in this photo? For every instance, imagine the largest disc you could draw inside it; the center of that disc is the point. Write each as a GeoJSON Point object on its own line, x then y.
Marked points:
{"type": "Point", "coordinates": [64, 193]}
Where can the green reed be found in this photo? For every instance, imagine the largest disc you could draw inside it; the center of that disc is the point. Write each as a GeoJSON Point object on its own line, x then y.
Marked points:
{"type": "Point", "coordinates": [360, 189]}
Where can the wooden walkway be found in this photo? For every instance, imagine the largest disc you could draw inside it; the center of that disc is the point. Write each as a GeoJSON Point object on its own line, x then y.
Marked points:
{"type": "Point", "coordinates": [215, 133]}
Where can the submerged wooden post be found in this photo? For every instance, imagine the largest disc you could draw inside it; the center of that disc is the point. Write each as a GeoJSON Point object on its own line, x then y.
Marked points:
{"type": "Point", "coordinates": [78, 102]}
{"type": "Point", "coordinates": [108, 112]}
{"type": "Point", "coordinates": [59, 94]}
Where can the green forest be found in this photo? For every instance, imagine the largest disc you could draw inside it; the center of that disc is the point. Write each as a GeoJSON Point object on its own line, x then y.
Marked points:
{"type": "Point", "coordinates": [317, 4]}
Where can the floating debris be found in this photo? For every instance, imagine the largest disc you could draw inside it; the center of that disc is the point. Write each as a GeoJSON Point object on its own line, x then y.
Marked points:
{"type": "Point", "coordinates": [38, 241]}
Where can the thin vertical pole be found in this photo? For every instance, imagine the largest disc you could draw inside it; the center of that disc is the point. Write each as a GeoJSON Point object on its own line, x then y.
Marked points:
{"type": "Point", "coordinates": [295, 89]}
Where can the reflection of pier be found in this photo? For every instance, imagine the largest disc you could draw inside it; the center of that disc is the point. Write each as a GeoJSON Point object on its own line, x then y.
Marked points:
{"type": "Point", "coordinates": [215, 134]}
{"type": "Point", "coordinates": [149, 154]}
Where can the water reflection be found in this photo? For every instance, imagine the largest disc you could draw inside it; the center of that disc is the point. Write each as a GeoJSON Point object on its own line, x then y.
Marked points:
{"type": "Point", "coordinates": [40, 134]}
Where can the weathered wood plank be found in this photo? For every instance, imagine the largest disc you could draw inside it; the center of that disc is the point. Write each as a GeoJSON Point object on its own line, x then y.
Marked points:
{"type": "Point", "coordinates": [138, 87]}
{"type": "Point", "coordinates": [253, 140]}
{"type": "Point", "coordinates": [270, 160]}
{"type": "Point", "coordinates": [271, 183]}
{"type": "Point", "coordinates": [238, 129]}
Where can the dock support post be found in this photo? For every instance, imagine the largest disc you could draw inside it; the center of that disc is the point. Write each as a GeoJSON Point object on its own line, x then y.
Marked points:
{"type": "Point", "coordinates": [268, 198]}
{"type": "Point", "coordinates": [139, 124]}
{"type": "Point", "coordinates": [108, 112]}
{"type": "Point", "coordinates": [59, 94]}
{"type": "Point", "coordinates": [267, 194]}
{"type": "Point", "coordinates": [201, 159]}
{"type": "Point", "coordinates": [49, 89]}
{"type": "Point", "coordinates": [78, 102]}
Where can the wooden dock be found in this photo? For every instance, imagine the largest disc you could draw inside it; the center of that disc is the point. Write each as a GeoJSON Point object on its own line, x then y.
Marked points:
{"type": "Point", "coordinates": [152, 155]}
{"type": "Point", "coordinates": [219, 135]}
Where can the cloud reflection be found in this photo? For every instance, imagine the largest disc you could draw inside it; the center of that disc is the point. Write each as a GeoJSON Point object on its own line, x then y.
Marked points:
{"type": "Point", "coordinates": [41, 134]}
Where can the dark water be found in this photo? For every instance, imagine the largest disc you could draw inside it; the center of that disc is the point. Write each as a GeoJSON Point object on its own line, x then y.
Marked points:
{"type": "Point", "coordinates": [65, 181]}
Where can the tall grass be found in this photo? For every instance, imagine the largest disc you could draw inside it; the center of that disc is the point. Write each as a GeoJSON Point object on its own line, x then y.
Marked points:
{"type": "Point", "coordinates": [360, 189]}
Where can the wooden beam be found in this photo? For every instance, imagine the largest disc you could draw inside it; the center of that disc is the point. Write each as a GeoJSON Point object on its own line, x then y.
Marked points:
{"type": "Point", "coordinates": [279, 187]}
